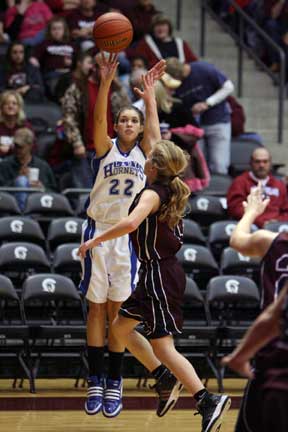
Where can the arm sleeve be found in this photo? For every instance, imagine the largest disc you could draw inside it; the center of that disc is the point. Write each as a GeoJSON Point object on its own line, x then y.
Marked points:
{"type": "Point", "coordinates": [189, 54]}
{"type": "Point", "coordinates": [221, 94]}
{"type": "Point", "coordinates": [71, 115]}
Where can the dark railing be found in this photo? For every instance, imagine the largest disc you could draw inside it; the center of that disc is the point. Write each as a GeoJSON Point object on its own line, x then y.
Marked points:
{"type": "Point", "coordinates": [244, 19]}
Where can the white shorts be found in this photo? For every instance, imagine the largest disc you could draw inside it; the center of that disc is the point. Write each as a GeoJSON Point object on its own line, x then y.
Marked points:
{"type": "Point", "coordinates": [109, 271]}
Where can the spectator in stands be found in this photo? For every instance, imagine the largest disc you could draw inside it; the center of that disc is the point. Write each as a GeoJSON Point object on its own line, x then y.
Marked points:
{"type": "Point", "coordinates": [27, 21]}
{"type": "Point", "coordinates": [276, 25]}
{"type": "Point", "coordinates": [12, 117]}
{"type": "Point", "coordinates": [274, 189]}
{"type": "Point", "coordinates": [204, 90]}
{"type": "Point", "coordinates": [54, 55]}
{"type": "Point", "coordinates": [15, 169]}
{"type": "Point", "coordinates": [19, 74]}
{"type": "Point", "coordinates": [81, 22]}
{"type": "Point", "coordinates": [161, 43]}
{"type": "Point", "coordinates": [141, 16]}
{"type": "Point", "coordinates": [136, 63]}
{"type": "Point", "coordinates": [81, 68]}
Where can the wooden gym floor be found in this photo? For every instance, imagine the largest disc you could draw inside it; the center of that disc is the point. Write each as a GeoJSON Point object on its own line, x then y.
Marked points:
{"type": "Point", "coordinates": [58, 407]}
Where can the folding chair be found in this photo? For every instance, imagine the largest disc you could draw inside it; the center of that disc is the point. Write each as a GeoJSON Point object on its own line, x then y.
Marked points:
{"type": "Point", "coordinates": [205, 210]}
{"type": "Point", "coordinates": [54, 310]}
{"type": "Point", "coordinates": [234, 263]}
{"type": "Point", "coordinates": [15, 350]}
{"type": "Point", "coordinates": [8, 205]}
{"type": "Point", "coordinates": [192, 233]}
{"type": "Point", "coordinates": [64, 230]}
{"type": "Point", "coordinates": [67, 262]}
{"type": "Point", "coordinates": [198, 263]}
{"type": "Point", "coordinates": [18, 228]}
{"type": "Point", "coordinates": [233, 304]}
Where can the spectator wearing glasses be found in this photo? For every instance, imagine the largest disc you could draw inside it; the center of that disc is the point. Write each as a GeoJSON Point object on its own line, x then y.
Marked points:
{"type": "Point", "coordinates": [277, 209]}
{"type": "Point", "coordinates": [23, 169]}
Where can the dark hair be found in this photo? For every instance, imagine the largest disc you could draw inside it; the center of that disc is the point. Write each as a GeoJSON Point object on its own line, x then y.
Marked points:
{"type": "Point", "coordinates": [140, 57]}
{"type": "Point", "coordinates": [55, 19]}
{"type": "Point", "coordinates": [9, 50]}
{"type": "Point", "coordinates": [78, 57]}
{"type": "Point", "coordinates": [130, 107]}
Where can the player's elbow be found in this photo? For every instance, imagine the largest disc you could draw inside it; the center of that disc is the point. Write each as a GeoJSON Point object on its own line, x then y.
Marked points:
{"type": "Point", "coordinates": [235, 242]}
{"type": "Point", "coordinates": [132, 225]}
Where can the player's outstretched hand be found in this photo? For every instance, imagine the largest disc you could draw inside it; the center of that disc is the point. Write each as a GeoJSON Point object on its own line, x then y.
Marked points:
{"type": "Point", "coordinates": [242, 368]}
{"type": "Point", "coordinates": [89, 244]}
{"type": "Point", "coordinates": [256, 201]}
{"type": "Point", "coordinates": [107, 66]}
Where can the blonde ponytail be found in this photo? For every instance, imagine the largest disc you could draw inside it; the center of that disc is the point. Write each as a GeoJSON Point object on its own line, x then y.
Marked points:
{"type": "Point", "coordinates": [171, 162]}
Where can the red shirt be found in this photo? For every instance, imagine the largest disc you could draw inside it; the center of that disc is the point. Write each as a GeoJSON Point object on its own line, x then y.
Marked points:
{"type": "Point", "coordinates": [275, 189]}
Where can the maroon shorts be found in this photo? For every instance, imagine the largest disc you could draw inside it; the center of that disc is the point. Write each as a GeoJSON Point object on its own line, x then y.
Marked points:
{"type": "Point", "coordinates": [158, 298]}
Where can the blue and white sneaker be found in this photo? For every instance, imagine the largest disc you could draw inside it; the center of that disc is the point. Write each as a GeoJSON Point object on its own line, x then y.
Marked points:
{"type": "Point", "coordinates": [112, 402]}
{"type": "Point", "coordinates": [94, 400]}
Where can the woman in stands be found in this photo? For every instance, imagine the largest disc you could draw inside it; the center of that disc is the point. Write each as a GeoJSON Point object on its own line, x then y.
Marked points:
{"type": "Point", "coordinates": [154, 222]}
{"type": "Point", "coordinates": [12, 117]}
{"type": "Point", "coordinates": [109, 270]}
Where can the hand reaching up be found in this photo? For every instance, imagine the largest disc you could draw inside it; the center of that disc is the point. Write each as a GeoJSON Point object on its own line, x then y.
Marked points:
{"type": "Point", "coordinates": [148, 81]}
{"type": "Point", "coordinates": [107, 67]}
{"type": "Point", "coordinates": [255, 202]}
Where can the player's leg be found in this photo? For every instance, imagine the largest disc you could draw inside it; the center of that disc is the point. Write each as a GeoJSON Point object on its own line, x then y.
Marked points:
{"type": "Point", "coordinates": [94, 285]}
{"type": "Point", "coordinates": [211, 407]}
{"type": "Point", "coordinates": [250, 413]}
{"type": "Point", "coordinates": [274, 410]}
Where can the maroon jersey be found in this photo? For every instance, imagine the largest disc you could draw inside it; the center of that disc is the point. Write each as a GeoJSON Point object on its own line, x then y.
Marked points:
{"type": "Point", "coordinates": [272, 360]}
{"type": "Point", "coordinates": [154, 240]}
{"type": "Point", "coordinates": [54, 55]}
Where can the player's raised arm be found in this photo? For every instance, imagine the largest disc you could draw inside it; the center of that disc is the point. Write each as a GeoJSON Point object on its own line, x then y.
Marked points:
{"type": "Point", "coordinates": [245, 242]}
{"type": "Point", "coordinates": [151, 126]}
{"type": "Point", "coordinates": [107, 67]}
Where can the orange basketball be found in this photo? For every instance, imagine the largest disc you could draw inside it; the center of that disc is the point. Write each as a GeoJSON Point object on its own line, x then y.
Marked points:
{"type": "Point", "coordinates": [112, 32]}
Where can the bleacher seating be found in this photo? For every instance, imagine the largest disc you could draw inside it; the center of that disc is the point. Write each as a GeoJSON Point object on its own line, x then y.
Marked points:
{"type": "Point", "coordinates": [64, 230]}
{"type": "Point", "coordinates": [234, 263]}
{"type": "Point", "coordinates": [8, 205]}
{"type": "Point", "coordinates": [21, 229]}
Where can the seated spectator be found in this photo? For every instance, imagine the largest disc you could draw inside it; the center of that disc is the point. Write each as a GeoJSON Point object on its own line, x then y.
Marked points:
{"type": "Point", "coordinates": [27, 21]}
{"type": "Point", "coordinates": [204, 90]}
{"type": "Point", "coordinates": [136, 63]}
{"type": "Point", "coordinates": [81, 21]}
{"type": "Point", "coordinates": [81, 68]}
{"type": "Point", "coordinates": [141, 15]}
{"type": "Point", "coordinates": [16, 170]}
{"type": "Point", "coordinates": [54, 55]}
{"type": "Point", "coordinates": [20, 75]}
{"type": "Point", "coordinates": [12, 117]}
{"type": "Point", "coordinates": [277, 209]}
{"type": "Point", "coordinates": [161, 43]}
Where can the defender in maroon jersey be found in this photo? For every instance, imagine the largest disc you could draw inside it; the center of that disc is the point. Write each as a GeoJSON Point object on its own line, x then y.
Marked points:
{"type": "Point", "coordinates": [265, 402]}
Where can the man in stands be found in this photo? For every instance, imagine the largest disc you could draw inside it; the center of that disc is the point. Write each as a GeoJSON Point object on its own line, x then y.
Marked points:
{"type": "Point", "coordinates": [277, 209]}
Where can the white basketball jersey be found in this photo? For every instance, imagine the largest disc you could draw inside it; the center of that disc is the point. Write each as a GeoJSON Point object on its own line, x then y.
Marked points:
{"type": "Point", "coordinates": [118, 177]}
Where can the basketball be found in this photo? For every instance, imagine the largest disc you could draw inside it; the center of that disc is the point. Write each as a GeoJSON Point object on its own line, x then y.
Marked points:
{"type": "Point", "coordinates": [112, 32]}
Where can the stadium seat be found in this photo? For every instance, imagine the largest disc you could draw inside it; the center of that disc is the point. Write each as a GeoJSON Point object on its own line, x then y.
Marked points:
{"type": "Point", "coordinates": [80, 210]}
{"type": "Point", "coordinates": [206, 209]}
{"type": "Point", "coordinates": [219, 185]}
{"type": "Point", "coordinates": [198, 263]}
{"type": "Point", "coordinates": [197, 338]}
{"type": "Point", "coordinates": [233, 304]}
{"type": "Point", "coordinates": [46, 206]}
{"type": "Point", "coordinates": [43, 116]}
{"type": "Point", "coordinates": [14, 335]}
{"type": "Point", "coordinates": [219, 235]}
{"type": "Point", "coordinates": [8, 205]}
{"type": "Point", "coordinates": [18, 228]}
{"type": "Point", "coordinates": [18, 259]}
{"type": "Point", "coordinates": [67, 262]}
{"type": "Point", "coordinates": [64, 230]}
{"type": "Point", "coordinates": [232, 262]}
{"type": "Point", "coordinates": [44, 144]}
{"type": "Point", "coordinates": [55, 313]}
{"type": "Point", "coordinates": [277, 227]}
{"type": "Point", "coordinates": [192, 233]}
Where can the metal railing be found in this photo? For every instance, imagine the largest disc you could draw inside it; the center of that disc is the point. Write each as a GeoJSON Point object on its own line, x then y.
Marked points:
{"type": "Point", "coordinates": [239, 38]}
